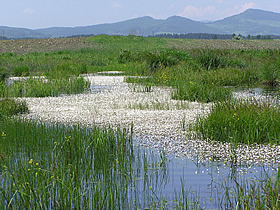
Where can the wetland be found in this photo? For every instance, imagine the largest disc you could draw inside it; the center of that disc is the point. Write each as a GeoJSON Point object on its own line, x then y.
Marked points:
{"type": "Point", "coordinates": [144, 123]}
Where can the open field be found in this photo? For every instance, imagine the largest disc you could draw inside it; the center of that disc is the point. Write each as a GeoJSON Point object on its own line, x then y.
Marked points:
{"type": "Point", "coordinates": [42, 45]}
{"type": "Point", "coordinates": [192, 98]}
{"type": "Point", "coordinates": [47, 45]}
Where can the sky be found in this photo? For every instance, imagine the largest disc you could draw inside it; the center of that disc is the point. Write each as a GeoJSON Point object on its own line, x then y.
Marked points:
{"type": "Point", "coordinates": [36, 14]}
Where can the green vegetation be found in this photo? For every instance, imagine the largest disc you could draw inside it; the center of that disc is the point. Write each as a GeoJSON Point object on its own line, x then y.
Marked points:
{"type": "Point", "coordinates": [34, 87]}
{"type": "Point", "coordinates": [241, 122]}
{"type": "Point", "coordinates": [73, 172]}
{"type": "Point", "coordinates": [9, 107]}
{"type": "Point", "coordinates": [259, 193]}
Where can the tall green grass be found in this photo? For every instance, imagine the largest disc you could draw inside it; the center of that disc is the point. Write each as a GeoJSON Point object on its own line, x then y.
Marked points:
{"type": "Point", "coordinates": [241, 122]}
{"type": "Point", "coordinates": [63, 167]}
{"type": "Point", "coordinates": [194, 91]}
{"type": "Point", "coordinates": [55, 166]}
{"type": "Point", "coordinates": [258, 193]}
{"type": "Point", "coordinates": [9, 107]}
{"type": "Point", "coordinates": [41, 87]}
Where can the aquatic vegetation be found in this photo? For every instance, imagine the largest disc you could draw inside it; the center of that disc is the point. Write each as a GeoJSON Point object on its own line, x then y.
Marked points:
{"type": "Point", "coordinates": [241, 122]}
{"type": "Point", "coordinates": [73, 172]}
{"type": "Point", "coordinates": [9, 107]}
{"type": "Point", "coordinates": [39, 87]}
{"type": "Point", "coordinates": [194, 91]}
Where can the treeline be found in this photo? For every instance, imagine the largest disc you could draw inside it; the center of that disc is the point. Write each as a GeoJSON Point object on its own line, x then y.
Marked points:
{"type": "Point", "coordinates": [215, 36]}
{"type": "Point", "coordinates": [263, 37]}
{"type": "Point", "coordinates": [3, 38]}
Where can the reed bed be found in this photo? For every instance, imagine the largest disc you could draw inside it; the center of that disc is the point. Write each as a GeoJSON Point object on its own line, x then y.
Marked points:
{"type": "Point", "coordinates": [56, 166]}
{"type": "Point", "coordinates": [48, 166]}
{"type": "Point", "coordinates": [241, 122]}
{"type": "Point", "coordinates": [39, 87]}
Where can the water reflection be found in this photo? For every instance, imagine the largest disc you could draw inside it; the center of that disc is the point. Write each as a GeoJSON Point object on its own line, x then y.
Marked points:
{"type": "Point", "coordinates": [204, 184]}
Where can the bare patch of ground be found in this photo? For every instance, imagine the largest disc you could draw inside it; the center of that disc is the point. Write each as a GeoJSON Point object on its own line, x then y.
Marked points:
{"type": "Point", "coordinates": [43, 45]}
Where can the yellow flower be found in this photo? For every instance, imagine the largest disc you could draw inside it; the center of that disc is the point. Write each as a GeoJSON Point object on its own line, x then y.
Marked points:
{"type": "Point", "coordinates": [37, 164]}
{"type": "Point", "coordinates": [28, 169]}
{"type": "Point", "coordinates": [31, 161]}
{"type": "Point", "coordinates": [191, 82]}
{"type": "Point", "coordinates": [3, 134]}
{"type": "Point", "coordinates": [36, 174]}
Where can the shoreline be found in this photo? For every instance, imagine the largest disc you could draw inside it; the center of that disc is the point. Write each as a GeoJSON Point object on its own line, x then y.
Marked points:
{"type": "Point", "coordinates": [158, 121]}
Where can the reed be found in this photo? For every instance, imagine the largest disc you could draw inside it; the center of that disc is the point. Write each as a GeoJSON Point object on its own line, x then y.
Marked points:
{"type": "Point", "coordinates": [246, 122]}
{"type": "Point", "coordinates": [34, 87]}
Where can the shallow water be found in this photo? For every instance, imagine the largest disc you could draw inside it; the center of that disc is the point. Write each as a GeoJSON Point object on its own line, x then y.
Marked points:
{"type": "Point", "coordinates": [98, 88]}
{"type": "Point", "coordinates": [204, 184]}
{"type": "Point", "coordinates": [257, 91]}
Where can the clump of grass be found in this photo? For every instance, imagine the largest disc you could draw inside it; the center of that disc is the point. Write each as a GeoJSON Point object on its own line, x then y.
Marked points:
{"type": "Point", "coordinates": [3, 74]}
{"type": "Point", "coordinates": [9, 107]}
{"type": "Point", "coordinates": [258, 193]}
{"type": "Point", "coordinates": [210, 59]}
{"type": "Point", "coordinates": [270, 74]}
{"type": "Point", "coordinates": [34, 87]}
{"type": "Point", "coordinates": [21, 71]}
{"type": "Point", "coordinates": [67, 70]}
{"type": "Point", "coordinates": [71, 172]}
{"type": "Point", "coordinates": [241, 122]}
{"type": "Point", "coordinates": [3, 89]}
{"type": "Point", "coordinates": [194, 91]}
{"type": "Point", "coordinates": [154, 60]}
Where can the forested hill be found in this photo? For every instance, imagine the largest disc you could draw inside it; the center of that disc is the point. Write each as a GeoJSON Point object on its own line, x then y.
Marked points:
{"type": "Point", "coordinates": [251, 22]}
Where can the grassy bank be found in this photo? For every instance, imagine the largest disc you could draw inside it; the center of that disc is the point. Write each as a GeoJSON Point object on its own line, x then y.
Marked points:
{"type": "Point", "coordinates": [169, 62]}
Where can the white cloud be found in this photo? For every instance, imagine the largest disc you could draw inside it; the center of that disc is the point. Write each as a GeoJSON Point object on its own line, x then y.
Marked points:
{"type": "Point", "coordinates": [247, 6]}
{"type": "Point", "coordinates": [28, 11]}
{"type": "Point", "coordinates": [238, 9]}
{"type": "Point", "coordinates": [213, 13]}
{"type": "Point", "coordinates": [198, 12]}
{"type": "Point", "coordinates": [116, 5]}
{"type": "Point", "coordinates": [171, 6]}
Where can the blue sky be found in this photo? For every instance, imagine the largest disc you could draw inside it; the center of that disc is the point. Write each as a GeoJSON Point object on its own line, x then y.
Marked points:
{"type": "Point", "coordinates": [47, 13]}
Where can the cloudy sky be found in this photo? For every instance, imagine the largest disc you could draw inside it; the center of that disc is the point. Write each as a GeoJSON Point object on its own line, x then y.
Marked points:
{"type": "Point", "coordinates": [47, 13]}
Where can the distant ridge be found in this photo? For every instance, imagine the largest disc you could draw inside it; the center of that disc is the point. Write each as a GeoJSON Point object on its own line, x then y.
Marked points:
{"type": "Point", "coordinates": [250, 22]}
{"type": "Point", "coordinates": [143, 26]}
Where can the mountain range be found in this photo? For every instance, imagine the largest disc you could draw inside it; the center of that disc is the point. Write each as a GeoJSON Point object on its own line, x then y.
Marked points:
{"type": "Point", "coordinates": [250, 22]}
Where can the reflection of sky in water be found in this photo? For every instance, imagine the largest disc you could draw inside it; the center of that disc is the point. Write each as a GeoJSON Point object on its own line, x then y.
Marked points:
{"type": "Point", "coordinates": [205, 183]}
{"type": "Point", "coordinates": [97, 88]}
{"type": "Point", "coordinates": [152, 177]}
